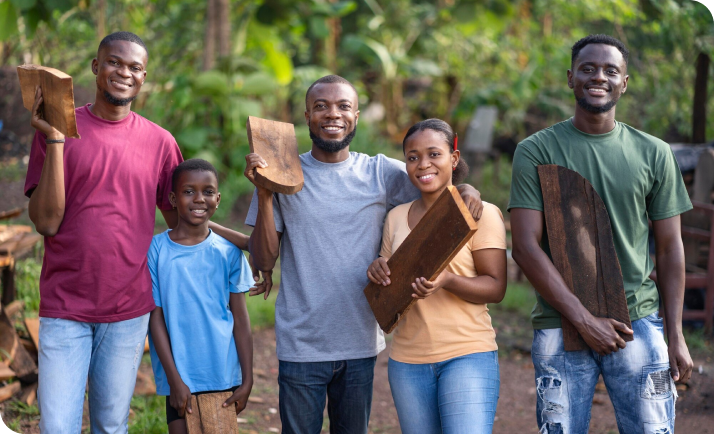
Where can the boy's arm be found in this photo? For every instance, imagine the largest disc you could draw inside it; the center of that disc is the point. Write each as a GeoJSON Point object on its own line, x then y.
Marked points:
{"type": "Point", "coordinates": [244, 346]}
{"type": "Point", "coordinates": [600, 334]}
{"type": "Point", "coordinates": [670, 278]}
{"type": "Point", "coordinates": [180, 398]}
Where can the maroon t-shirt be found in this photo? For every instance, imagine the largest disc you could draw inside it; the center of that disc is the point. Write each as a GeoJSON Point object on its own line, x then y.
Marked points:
{"type": "Point", "coordinates": [95, 269]}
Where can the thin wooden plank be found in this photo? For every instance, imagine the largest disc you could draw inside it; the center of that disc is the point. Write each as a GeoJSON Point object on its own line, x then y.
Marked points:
{"type": "Point", "coordinates": [14, 308]}
{"type": "Point", "coordinates": [193, 419]}
{"type": "Point", "coordinates": [10, 348]}
{"type": "Point", "coordinates": [445, 228]}
{"type": "Point", "coordinates": [33, 328]}
{"type": "Point", "coordinates": [6, 373]}
{"type": "Point", "coordinates": [57, 93]}
{"type": "Point", "coordinates": [28, 395]}
{"type": "Point", "coordinates": [9, 391]}
{"type": "Point", "coordinates": [582, 248]}
{"type": "Point", "coordinates": [276, 143]}
{"type": "Point", "coordinates": [216, 419]}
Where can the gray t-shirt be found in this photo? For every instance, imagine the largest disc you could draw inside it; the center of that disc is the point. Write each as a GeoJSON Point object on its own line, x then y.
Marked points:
{"type": "Point", "coordinates": [332, 230]}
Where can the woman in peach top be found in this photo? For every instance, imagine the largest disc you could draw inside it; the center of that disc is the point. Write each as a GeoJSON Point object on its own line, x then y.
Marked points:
{"type": "Point", "coordinates": [443, 364]}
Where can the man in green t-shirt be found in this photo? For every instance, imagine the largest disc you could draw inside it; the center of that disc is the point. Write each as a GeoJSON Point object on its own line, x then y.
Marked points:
{"type": "Point", "coordinates": [638, 179]}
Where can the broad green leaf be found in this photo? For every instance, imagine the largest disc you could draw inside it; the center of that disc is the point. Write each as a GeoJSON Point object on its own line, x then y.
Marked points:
{"type": "Point", "coordinates": [23, 5]}
{"type": "Point", "coordinates": [258, 83]}
{"type": "Point", "coordinates": [340, 9]}
{"type": "Point", "coordinates": [278, 62]}
{"type": "Point", "coordinates": [318, 27]}
{"type": "Point", "coordinates": [8, 20]}
{"type": "Point", "coordinates": [193, 138]}
{"type": "Point", "coordinates": [211, 83]}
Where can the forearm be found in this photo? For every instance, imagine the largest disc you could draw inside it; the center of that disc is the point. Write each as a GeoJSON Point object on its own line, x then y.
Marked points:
{"type": "Point", "coordinates": [47, 203]}
{"type": "Point", "coordinates": [240, 240]}
{"type": "Point", "coordinates": [479, 289]}
{"type": "Point", "coordinates": [544, 277]}
{"type": "Point", "coordinates": [264, 243]}
{"type": "Point", "coordinates": [243, 337]}
{"type": "Point", "coordinates": [670, 280]}
{"type": "Point", "coordinates": [162, 345]}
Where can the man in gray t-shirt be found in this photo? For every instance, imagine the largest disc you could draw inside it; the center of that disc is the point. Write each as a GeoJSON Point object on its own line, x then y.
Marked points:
{"type": "Point", "coordinates": [327, 235]}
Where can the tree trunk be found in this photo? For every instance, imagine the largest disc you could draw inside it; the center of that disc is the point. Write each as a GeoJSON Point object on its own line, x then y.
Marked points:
{"type": "Point", "coordinates": [699, 114]}
{"type": "Point", "coordinates": [101, 19]}
{"type": "Point", "coordinates": [224, 28]}
{"type": "Point", "coordinates": [209, 43]}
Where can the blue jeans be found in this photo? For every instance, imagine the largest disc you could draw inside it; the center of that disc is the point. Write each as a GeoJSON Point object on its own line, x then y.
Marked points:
{"type": "Point", "coordinates": [456, 396]}
{"type": "Point", "coordinates": [108, 353]}
{"type": "Point", "coordinates": [637, 379]}
{"type": "Point", "coordinates": [346, 384]}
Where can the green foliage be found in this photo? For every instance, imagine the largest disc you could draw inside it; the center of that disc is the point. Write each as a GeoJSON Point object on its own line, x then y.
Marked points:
{"type": "Point", "coordinates": [149, 415]}
{"type": "Point", "coordinates": [27, 283]}
{"type": "Point", "coordinates": [520, 298]}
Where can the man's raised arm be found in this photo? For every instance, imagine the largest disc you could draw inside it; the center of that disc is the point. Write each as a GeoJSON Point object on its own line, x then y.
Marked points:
{"type": "Point", "coordinates": [264, 243]}
{"type": "Point", "coordinates": [47, 202]}
{"type": "Point", "coordinates": [527, 230]}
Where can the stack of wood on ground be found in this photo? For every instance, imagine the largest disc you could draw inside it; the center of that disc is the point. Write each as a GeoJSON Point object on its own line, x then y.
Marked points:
{"type": "Point", "coordinates": [19, 343]}
{"type": "Point", "coordinates": [16, 241]}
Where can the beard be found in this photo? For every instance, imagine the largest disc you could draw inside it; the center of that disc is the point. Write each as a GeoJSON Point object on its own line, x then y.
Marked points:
{"type": "Point", "coordinates": [333, 146]}
{"type": "Point", "coordinates": [596, 109]}
{"type": "Point", "coordinates": [111, 99]}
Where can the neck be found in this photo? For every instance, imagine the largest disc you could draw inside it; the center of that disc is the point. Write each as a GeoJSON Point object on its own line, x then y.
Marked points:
{"type": "Point", "coordinates": [428, 199]}
{"type": "Point", "coordinates": [110, 112]}
{"type": "Point", "coordinates": [330, 157]}
{"type": "Point", "coordinates": [594, 123]}
{"type": "Point", "coordinates": [189, 235]}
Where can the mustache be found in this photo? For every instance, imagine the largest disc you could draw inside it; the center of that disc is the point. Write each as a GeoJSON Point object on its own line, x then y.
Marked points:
{"type": "Point", "coordinates": [111, 99]}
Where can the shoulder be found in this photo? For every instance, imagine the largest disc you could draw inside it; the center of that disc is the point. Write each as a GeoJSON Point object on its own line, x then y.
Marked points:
{"type": "Point", "coordinates": [154, 128]}
{"type": "Point", "coordinates": [643, 139]}
{"type": "Point", "coordinates": [545, 136]}
{"type": "Point", "coordinates": [157, 242]}
{"type": "Point", "coordinates": [491, 214]}
{"type": "Point", "coordinates": [399, 211]}
{"type": "Point", "coordinates": [226, 247]}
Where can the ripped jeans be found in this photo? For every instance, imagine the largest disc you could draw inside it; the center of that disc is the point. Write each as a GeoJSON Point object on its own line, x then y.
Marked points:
{"type": "Point", "coordinates": [637, 379]}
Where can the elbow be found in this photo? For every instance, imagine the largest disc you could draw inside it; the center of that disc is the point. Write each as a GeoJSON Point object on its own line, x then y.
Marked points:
{"type": "Point", "coordinates": [46, 228]}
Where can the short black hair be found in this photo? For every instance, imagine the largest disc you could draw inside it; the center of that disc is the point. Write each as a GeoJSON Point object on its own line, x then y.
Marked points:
{"type": "Point", "coordinates": [122, 36]}
{"type": "Point", "coordinates": [327, 80]}
{"type": "Point", "coordinates": [598, 39]}
{"type": "Point", "coordinates": [442, 127]}
{"type": "Point", "coordinates": [192, 165]}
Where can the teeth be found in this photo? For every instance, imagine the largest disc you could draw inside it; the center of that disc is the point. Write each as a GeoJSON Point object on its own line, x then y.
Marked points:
{"type": "Point", "coordinates": [199, 211]}
{"type": "Point", "coordinates": [332, 128]}
{"type": "Point", "coordinates": [426, 177]}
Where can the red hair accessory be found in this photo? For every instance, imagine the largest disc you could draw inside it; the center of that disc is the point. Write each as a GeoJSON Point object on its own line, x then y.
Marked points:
{"type": "Point", "coordinates": [456, 140]}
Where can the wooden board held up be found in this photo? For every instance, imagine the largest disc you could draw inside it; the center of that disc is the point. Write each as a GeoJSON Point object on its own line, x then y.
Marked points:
{"type": "Point", "coordinates": [582, 247]}
{"type": "Point", "coordinates": [276, 143]}
{"type": "Point", "coordinates": [57, 93]}
{"type": "Point", "coordinates": [210, 417]}
{"type": "Point", "coordinates": [436, 239]}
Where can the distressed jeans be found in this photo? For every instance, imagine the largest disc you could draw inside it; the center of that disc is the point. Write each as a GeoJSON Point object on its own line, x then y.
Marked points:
{"type": "Point", "coordinates": [637, 379]}
{"type": "Point", "coordinates": [108, 354]}
{"type": "Point", "coordinates": [456, 396]}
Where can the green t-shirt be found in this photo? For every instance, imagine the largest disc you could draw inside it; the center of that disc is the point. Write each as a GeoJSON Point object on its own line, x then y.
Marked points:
{"type": "Point", "coordinates": [637, 178]}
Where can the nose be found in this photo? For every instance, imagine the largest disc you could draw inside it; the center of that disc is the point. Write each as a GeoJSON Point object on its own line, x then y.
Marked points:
{"type": "Point", "coordinates": [199, 198]}
{"type": "Point", "coordinates": [334, 113]}
{"type": "Point", "coordinates": [599, 75]}
{"type": "Point", "coordinates": [124, 71]}
{"type": "Point", "coordinates": [424, 163]}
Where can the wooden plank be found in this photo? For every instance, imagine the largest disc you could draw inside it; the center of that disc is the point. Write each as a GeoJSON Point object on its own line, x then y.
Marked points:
{"type": "Point", "coordinates": [11, 349]}
{"type": "Point", "coordinates": [210, 417]}
{"type": "Point", "coordinates": [445, 228]}
{"type": "Point", "coordinates": [33, 328]}
{"type": "Point", "coordinates": [9, 391]}
{"type": "Point", "coordinates": [6, 373]}
{"type": "Point", "coordinates": [14, 308]}
{"type": "Point", "coordinates": [11, 213]}
{"type": "Point", "coordinates": [276, 143]}
{"type": "Point", "coordinates": [28, 394]}
{"type": "Point", "coordinates": [582, 248]}
{"type": "Point", "coordinates": [57, 93]}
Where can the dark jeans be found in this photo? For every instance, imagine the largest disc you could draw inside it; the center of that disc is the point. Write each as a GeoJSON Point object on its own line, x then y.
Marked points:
{"type": "Point", "coordinates": [347, 385]}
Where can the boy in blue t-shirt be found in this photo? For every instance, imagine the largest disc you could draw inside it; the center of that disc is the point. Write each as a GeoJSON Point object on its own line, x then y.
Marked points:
{"type": "Point", "coordinates": [200, 327]}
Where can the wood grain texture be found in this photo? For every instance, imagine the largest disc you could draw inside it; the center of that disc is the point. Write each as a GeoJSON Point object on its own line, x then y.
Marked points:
{"type": "Point", "coordinates": [9, 391]}
{"type": "Point", "coordinates": [210, 417]}
{"type": "Point", "coordinates": [277, 144]}
{"type": "Point", "coordinates": [33, 328]}
{"type": "Point", "coordinates": [20, 360]}
{"type": "Point", "coordinates": [445, 228]}
{"type": "Point", "coordinates": [5, 372]}
{"type": "Point", "coordinates": [57, 92]}
{"type": "Point", "coordinates": [582, 248]}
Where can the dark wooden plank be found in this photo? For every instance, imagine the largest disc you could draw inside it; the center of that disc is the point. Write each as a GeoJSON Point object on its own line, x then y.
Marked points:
{"type": "Point", "coordinates": [428, 249]}
{"type": "Point", "coordinates": [57, 93]}
{"type": "Point", "coordinates": [582, 248]}
{"type": "Point", "coordinates": [193, 419]}
{"type": "Point", "coordinates": [10, 348]}
{"type": "Point", "coordinates": [276, 143]}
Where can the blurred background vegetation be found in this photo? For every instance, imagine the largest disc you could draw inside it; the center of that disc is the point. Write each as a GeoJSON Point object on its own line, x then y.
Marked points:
{"type": "Point", "coordinates": [214, 62]}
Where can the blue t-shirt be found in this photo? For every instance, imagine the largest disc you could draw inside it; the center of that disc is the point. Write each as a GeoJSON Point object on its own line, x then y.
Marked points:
{"type": "Point", "coordinates": [192, 285]}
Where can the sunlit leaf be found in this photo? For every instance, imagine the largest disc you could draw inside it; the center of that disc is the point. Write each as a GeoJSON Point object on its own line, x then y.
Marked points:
{"type": "Point", "coordinates": [278, 62]}
{"type": "Point", "coordinates": [8, 20]}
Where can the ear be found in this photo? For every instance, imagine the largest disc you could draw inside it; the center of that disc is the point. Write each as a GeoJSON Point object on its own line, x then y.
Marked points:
{"type": "Point", "coordinates": [307, 117]}
{"type": "Point", "coordinates": [218, 199]}
{"type": "Point", "coordinates": [570, 79]}
{"type": "Point", "coordinates": [356, 117]}
{"type": "Point", "coordinates": [172, 199]}
{"type": "Point", "coordinates": [455, 157]}
{"type": "Point", "coordinates": [624, 84]}
{"type": "Point", "coordinates": [95, 66]}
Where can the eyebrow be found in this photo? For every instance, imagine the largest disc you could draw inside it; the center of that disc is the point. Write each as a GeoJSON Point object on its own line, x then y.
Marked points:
{"type": "Point", "coordinates": [609, 65]}
{"type": "Point", "coordinates": [324, 100]}
{"type": "Point", "coordinates": [135, 62]}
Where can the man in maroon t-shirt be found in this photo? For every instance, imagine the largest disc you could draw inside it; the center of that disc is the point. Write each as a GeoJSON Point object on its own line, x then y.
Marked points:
{"type": "Point", "coordinates": [94, 200]}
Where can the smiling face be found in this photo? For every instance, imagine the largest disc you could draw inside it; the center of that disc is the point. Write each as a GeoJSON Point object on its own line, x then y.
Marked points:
{"type": "Point", "coordinates": [331, 114]}
{"type": "Point", "coordinates": [196, 196]}
{"type": "Point", "coordinates": [598, 78]}
{"type": "Point", "coordinates": [120, 68]}
{"type": "Point", "coordinates": [430, 162]}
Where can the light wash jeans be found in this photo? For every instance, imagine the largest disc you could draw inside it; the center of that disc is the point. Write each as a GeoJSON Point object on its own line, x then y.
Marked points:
{"type": "Point", "coordinates": [108, 353]}
{"type": "Point", "coordinates": [456, 396]}
{"type": "Point", "coordinates": [637, 379]}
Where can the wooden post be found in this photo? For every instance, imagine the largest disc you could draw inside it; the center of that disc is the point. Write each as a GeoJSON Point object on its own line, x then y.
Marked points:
{"type": "Point", "coordinates": [699, 112]}
{"type": "Point", "coordinates": [277, 144]}
{"type": "Point", "coordinates": [445, 228]}
{"type": "Point", "coordinates": [582, 247]}
{"type": "Point", "coordinates": [8, 283]}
